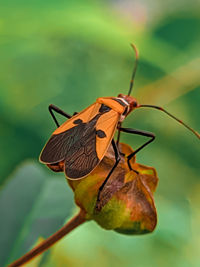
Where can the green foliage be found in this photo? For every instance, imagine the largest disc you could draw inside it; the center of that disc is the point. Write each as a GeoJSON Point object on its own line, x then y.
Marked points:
{"type": "Point", "coordinates": [32, 204]}
{"type": "Point", "coordinates": [69, 53]}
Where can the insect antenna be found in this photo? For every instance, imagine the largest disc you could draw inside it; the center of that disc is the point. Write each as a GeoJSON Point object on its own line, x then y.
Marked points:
{"type": "Point", "coordinates": [134, 69]}
{"type": "Point", "coordinates": [172, 116]}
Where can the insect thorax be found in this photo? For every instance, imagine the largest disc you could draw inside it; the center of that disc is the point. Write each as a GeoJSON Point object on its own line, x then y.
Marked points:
{"type": "Point", "coordinates": [117, 104]}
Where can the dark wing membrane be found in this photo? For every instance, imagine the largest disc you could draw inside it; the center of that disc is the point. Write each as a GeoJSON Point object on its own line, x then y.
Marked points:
{"type": "Point", "coordinates": [76, 146]}
{"type": "Point", "coordinates": [66, 135]}
{"type": "Point", "coordinates": [82, 157]}
{"type": "Point", "coordinates": [60, 144]}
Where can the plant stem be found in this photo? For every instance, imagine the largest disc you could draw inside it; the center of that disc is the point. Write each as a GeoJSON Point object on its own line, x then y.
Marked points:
{"type": "Point", "coordinates": [72, 224]}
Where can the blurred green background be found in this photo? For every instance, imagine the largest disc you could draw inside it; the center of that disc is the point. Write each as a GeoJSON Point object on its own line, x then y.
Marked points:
{"type": "Point", "coordinates": [69, 53]}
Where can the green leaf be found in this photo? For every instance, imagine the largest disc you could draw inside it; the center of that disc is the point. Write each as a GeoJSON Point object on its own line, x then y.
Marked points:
{"type": "Point", "coordinates": [32, 204]}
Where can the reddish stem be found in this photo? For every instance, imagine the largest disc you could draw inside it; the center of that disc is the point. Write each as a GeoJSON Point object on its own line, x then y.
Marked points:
{"type": "Point", "coordinates": [72, 224]}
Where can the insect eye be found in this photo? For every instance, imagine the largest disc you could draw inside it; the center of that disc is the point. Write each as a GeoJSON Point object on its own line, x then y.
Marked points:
{"type": "Point", "coordinates": [135, 104]}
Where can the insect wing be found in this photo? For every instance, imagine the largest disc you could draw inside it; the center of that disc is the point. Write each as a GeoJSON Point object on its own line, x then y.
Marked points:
{"type": "Point", "coordinates": [106, 123]}
{"type": "Point", "coordinates": [81, 141]}
{"type": "Point", "coordinates": [65, 135]}
{"type": "Point", "coordinates": [85, 156]}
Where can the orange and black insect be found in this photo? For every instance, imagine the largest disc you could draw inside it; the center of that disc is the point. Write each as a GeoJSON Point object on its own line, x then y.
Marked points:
{"type": "Point", "coordinates": [79, 144]}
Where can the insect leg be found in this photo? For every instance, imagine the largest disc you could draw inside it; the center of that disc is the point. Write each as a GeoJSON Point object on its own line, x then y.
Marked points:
{"type": "Point", "coordinates": [117, 160]}
{"type": "Point", "coordinates": [58, 110]}
{"type": "Point", "coordinates": [118, 134]}
{"type": "Point", "coordinates": [138, 132]}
